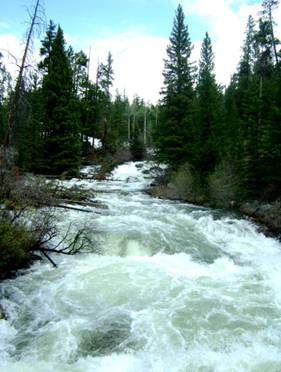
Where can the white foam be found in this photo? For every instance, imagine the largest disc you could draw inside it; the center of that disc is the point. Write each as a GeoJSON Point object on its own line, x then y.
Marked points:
{"type": "Point", "coordinates": [7, 333]}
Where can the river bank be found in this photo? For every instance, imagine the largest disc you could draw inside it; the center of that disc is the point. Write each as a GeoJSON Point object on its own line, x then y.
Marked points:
{"type": "Point", "coordinates": [266, 215]}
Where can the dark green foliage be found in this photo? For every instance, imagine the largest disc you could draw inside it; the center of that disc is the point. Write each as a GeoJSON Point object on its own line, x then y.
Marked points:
{"type": "Point", "coordinates": [91, 110]}
{"type": "Point", "coordinates": [119, 120]}
{"type": "Point", "coordinates": [79, 63]}
{"type": "Point", "coordinates": [268, 8]}
{"type": "Point", "coordinates": [175, 136]}
{"type": "Point", "coordinates": [241, 128]}
{"type": "Point", "coordinates": [28, 136]}
{"type": "Point", "coordinates": [137, 147]}
{"type": "Point", "coordinates": [47, 45]}
{"type": "Point", "coordinates": [105, 81]}
{"type": "Point", "coordinates": [209, 112]}
{"type": "Point", "coordinates": [253, 110]}
{"type": "Point", "coordinates": [177, 72]}
{"type": "Point", "coordinates": [232, 131]}
{"type": "Point", "coordinates": [60, 118]}
{"type": "Point", "coordinates": [14, 247]}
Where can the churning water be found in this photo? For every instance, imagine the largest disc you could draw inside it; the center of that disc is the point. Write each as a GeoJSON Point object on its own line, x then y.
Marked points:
{"type": "Point", "coordinates": [171, 288]}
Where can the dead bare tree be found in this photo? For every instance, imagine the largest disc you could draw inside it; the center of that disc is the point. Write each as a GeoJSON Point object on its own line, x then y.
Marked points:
{"type": "Point", "coordinates": [77, 244]}
{"type": "Point", "coordinates": [35, 21]}
{"type": "Point", "coordinates": [45, 232]}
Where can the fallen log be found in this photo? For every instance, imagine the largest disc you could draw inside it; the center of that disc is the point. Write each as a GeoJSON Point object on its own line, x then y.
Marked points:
{"type": "Point", "coordinates": [84, 203]}
{"type": "Point", "coordinates": [74, 208]}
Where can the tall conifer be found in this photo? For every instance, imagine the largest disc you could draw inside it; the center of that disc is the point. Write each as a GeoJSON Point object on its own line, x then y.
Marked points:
{"type": "Point", "coordinates": [62, 141]}
{"type": "Point", "coordinates": [175, 138]}
{"type": "Point", "coordinates": [209, 111]}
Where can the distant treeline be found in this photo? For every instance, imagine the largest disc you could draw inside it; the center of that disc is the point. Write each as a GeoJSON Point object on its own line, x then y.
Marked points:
{"type": "Point", "coordinates": [59, 110]}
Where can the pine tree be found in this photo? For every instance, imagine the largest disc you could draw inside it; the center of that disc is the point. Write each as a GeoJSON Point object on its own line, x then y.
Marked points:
{"type": "Point", "coordinates": [209, 112]}
{"type": "Point", "coordinates": [61, 131]}
{"type": "Point", "coordinates": [268, 7]}
{"type": "Point", "coordinates": [175, 138]}
{"type": "Point", "coordinates": [245, 68]}
{"type": "Point", "coordinates": [46, 47]}
{"type": "Point", "coordinates": [261, 114]}
{"type": "Point", "coordinates": [262, 83]}
{"type": "Point", "coordinates": [81, 85]}
{"type": "Point", "coordinates": [91, 112]}
{"type": "Point", "coordinates": [105, 81]}
{"type": "Point", "coordinates": [240, 116]}
{"type": "Point", "coordinates": [79, 65]}
{"type": "Point", "coordinates": [137, 146]}
{"type": "Point", "coordinates": [29, 132]}
{"type": "Point", "coordinates": [233, 139]}
{"type": "Point", "coordinates": [119, 119]}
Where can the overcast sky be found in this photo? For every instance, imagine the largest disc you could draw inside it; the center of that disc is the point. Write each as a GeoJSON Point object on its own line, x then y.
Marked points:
{"type": "Point", "coordinates": [136, 32]}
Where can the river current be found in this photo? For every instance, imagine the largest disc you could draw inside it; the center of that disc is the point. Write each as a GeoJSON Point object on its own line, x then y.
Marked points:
{"type": "Point", "coordinates": [169, 287]}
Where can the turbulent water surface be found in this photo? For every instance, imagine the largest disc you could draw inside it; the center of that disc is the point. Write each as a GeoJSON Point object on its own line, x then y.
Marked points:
{"type": "Point", "coordinates": [170, 287]}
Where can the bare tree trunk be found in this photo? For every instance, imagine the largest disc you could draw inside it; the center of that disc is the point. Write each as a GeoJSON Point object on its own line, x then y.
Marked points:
{"type": "Point", "coordinates": [16, 95]}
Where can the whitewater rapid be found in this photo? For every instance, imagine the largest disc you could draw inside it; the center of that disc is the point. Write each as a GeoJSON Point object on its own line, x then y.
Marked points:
{"type": "Point", "coordinates": [169, 287]}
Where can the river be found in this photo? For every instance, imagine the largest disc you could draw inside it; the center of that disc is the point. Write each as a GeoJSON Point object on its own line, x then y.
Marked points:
{"type": "Point", "coordinates": [169, 287]}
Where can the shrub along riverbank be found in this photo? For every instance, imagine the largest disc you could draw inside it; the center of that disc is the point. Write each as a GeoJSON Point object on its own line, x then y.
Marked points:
{"type": "Point", "coordinates": [28, 220]}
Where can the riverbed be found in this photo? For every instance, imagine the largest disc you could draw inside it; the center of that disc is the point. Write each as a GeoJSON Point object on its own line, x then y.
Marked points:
{"type": "Point", "coordinates": [168, 287]}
